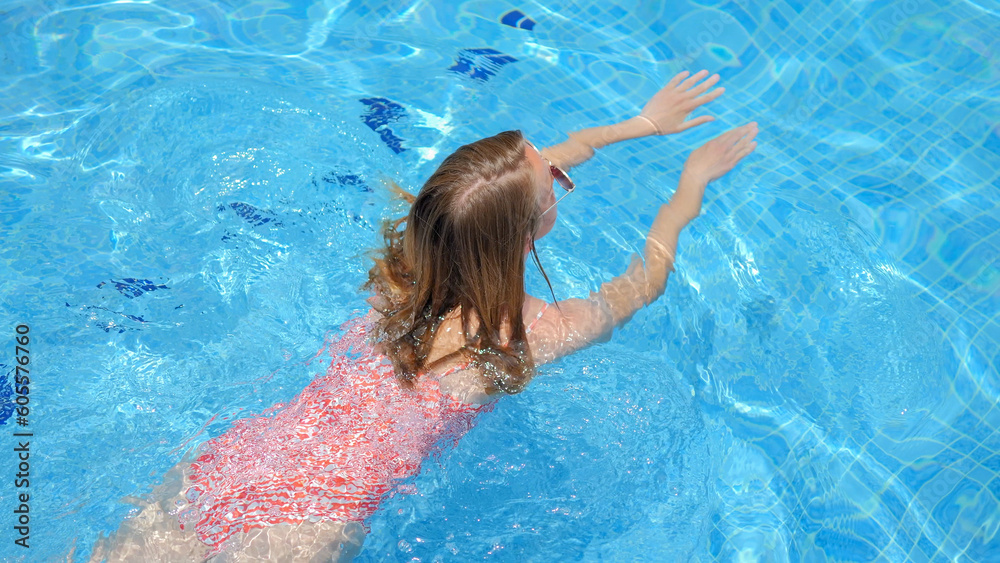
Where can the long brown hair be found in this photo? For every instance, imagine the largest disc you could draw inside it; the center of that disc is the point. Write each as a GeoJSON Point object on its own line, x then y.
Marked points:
{"type": "Point", "coordinates": [462, 246]}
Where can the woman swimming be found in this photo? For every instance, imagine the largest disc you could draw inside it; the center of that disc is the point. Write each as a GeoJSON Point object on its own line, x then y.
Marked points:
{"type": "Point", "coordinates": [450, 330]}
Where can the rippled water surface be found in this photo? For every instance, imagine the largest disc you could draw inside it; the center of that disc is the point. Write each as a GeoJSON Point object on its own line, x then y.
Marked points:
{"type": "Point", "coordinates": [188, 190]}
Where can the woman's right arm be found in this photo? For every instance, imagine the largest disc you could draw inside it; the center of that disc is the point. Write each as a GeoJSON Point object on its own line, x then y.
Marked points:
{"type": "Point", "coordinates": [577, 323]}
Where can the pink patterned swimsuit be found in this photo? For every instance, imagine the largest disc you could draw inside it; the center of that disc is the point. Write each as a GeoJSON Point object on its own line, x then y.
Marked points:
{"type": "Point", "coordinates": [332, 453]}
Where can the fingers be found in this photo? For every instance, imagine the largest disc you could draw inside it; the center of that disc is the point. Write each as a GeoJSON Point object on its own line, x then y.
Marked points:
{"type": "Point", "coordinates": [729, 137]}
{"type": "Point", "coordinates": [746, 144]}
{"type": "Point", "coordinates": [710, 96]}
{"type": "Point", "coordinates": [748, 132]}
{"type": "Point", "coordinates": [702, 100]}
{"type": "Point", "coordinates": [695, 122]}
{"type": "Point", "coordinates": [677, 79]}
{"type": "Point", "coordinates": [687, 84]}
{"type": "Point", "coordinates": [701, 88]}
{"type": "Point", "coordinates": [734, 135]}
{"type": "Point", "coordinates": [746, 150]}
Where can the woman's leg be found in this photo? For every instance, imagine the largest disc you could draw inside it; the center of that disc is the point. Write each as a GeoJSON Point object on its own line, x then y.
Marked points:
{"type": "Point", "coordinates": [307, 542]}
{"type": "Point", "coordinates": [155, 535]}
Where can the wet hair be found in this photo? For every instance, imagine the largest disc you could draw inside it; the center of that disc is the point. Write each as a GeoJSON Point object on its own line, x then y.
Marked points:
{"type": "Point", "coordinates": [462, 246]}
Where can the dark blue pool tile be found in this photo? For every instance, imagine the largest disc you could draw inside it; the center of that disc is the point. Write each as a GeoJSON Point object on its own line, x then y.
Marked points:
{"type": "Point", "coordinates": [352, 180]}
{"type": "Point", "coordinates": [381, 112]}
{"type": "Point", "coordinates": [253, 215]}
{"type": "Point", "coordinates": [480, 64]}
{"type": "Point", "coordinates": [512, 17]}
{"type": "Point", "coordinates": [133, 287]}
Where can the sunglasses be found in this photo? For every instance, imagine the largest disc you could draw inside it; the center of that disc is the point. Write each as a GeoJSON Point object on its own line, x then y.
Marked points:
{"type": "Point", "coordinates": [558, 175]}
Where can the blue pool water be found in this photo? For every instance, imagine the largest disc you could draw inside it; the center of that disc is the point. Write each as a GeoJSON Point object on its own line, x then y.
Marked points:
{"type": "Point", "coordinates": [188, 189]}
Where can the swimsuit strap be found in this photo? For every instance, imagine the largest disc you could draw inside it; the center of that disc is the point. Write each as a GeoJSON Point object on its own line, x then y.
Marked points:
{"type": "Point", "coordinates": [538, 316]}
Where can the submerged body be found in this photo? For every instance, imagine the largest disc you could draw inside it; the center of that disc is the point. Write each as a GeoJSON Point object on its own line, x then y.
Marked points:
{"type": "Point", "coordinates": [298, 482]}
{"type": "Point", "coordinates": [454, 329]}
{"type": "Point", "coordinates": [333, 452]}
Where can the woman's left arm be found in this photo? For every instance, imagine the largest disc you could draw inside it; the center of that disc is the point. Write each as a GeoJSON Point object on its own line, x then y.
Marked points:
{"type": "Point", "coordinates": [665, 113]}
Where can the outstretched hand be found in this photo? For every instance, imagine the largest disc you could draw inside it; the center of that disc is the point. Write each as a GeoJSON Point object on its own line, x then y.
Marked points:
{"type": "Point", "coordinates": [668, 108]}
{"type": "Point", "coordinates": [715, 158]}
